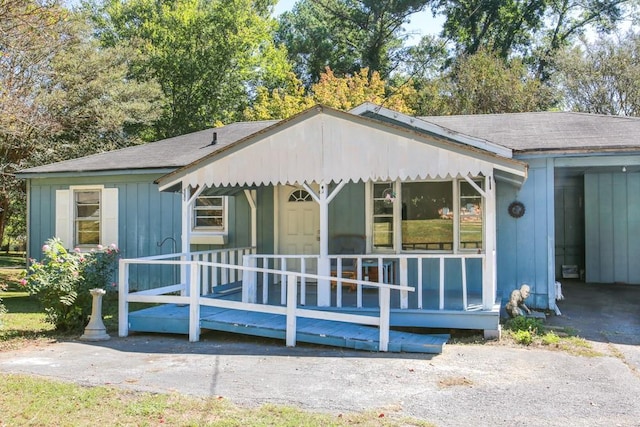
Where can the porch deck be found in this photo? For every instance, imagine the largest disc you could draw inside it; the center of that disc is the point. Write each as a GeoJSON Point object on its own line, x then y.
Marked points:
{"type": "Point", "coordinates": [172, 318]}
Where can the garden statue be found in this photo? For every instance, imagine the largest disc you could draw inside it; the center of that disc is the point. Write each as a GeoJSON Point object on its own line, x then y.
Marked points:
{"type": "Point", "coordinates": [516, 304]}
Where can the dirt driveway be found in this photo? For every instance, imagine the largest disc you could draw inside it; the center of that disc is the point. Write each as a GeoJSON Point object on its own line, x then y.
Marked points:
{"type": "Point", "coordinates": [485, 385]}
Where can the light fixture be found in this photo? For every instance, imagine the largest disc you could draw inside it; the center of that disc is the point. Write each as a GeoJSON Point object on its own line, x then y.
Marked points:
{"type": "Point", "coordinates": [624, 169]}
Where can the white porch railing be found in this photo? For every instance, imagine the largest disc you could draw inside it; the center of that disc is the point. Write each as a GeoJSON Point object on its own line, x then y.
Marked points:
{"type": "Point", "coordinates": [392, 269]}
{"type": "Point", "coordinates": [191, 292]}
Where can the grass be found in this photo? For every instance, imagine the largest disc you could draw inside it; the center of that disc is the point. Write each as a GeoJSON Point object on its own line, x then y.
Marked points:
{"type": "Point", "coordinates": [532, 332]}
{"type": "Point", "coordinates": [36, 401]}
{"type": "Point", "coordinates": [12, 259]}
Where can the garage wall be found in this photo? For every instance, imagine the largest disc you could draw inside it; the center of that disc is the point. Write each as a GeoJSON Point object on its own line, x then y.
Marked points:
{"type": "Point", "coordinates": [612, 223]}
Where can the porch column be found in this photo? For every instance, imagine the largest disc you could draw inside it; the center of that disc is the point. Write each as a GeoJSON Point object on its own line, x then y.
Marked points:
{"type": "Point", "coordinates": [324, 264]}
{"type": "Point", "coordinates": [489, 268]}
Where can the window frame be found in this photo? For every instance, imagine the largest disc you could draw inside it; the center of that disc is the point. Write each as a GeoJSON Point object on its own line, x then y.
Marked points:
{"type": "Point", "coordinates": [76, 219]}
{"type": "Point", "coordinates": [397, 246]}
{"type": "Point", "coordinates": [205, 229]}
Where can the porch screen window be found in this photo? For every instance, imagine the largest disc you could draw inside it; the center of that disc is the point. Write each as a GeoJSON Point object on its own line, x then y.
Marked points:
{"type": "Point", "coordinates": [471, 223]}
{"type": "Point", "coordinates": [427, 215]}
{"type": "Point", "coordinates": [209, 211]}
{"type": "Point", "coordinates": [86, 217]}
{"type": "Point", "coordinates": [383, 194]}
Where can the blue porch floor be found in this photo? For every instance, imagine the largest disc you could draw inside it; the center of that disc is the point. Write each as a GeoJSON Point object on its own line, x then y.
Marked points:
{"type": "Point", "coordinates": [171, 318]}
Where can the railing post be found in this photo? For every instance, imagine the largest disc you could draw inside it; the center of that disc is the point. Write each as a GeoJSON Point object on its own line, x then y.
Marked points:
{"type": "Point", "coordinates": [283, 281]}
{"type": "Point", "coordinates": [303, 281]}
{"type": "Point", "coordinates": [194, 303]}
{"type": "Point", "coordinates": [385, 302]}
{"type": "Point", "coordinates": [463, 265]}
{"type": "Point", "coordinates": [249, 289]}
{"type": "Point", "coordinates": [292, 288]}
{"type": "Point", "coordinates": [123, 295]}
{"type": "Point", "coordinates": [404, 281]}
{"type": "Point", "coordinates": [441, 304]}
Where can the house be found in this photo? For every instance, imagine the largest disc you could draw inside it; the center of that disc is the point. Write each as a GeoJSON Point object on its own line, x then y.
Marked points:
{"type": "Point", "coordinates": [451, 213]}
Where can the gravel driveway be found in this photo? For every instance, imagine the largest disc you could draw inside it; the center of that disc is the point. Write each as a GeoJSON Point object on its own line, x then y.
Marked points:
{"type": "Point", "coordinates": [466, 385]}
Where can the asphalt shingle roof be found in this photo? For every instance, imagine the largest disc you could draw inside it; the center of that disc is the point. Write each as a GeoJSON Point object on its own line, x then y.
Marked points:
{"type": "Point", "coordinates": [168, 153]}
{"type": "Point", "coordinates": [521, 132]}
{"type": "Point", "coordinates": [547, 131]}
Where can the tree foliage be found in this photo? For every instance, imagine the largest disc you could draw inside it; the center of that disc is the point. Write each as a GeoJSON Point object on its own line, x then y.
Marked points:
{"type": "Point", "coordinates": [207, 55]}
{"type": "Point", "coordinates": [346, 35]}
{"type": "Point", "coordinates": [602, 76]}
{"type": "Point", "coordinates": [480, 84]}
{"type": "Point", "coordinates": [30, 34]}
{"type": "Point", "coordinates": [342, 93]}
{"type": "Point", "coordinates": [533, 29]}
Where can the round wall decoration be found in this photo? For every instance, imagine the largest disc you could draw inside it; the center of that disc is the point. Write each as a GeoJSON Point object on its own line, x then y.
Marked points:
{"type": "Point", "coordinates": [516, 209]}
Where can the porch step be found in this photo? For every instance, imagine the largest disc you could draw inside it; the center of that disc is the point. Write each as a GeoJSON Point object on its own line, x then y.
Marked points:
{"type": "Point", "coordinates": [170, 318]}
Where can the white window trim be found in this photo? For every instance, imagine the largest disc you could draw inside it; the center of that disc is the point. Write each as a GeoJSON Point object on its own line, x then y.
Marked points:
{"type": "Point", "coordinates": [397, 217]}
{"type": "Point", "coordinates": [209, 235]}
{"type": "Point", "coordinates": [65, 215]}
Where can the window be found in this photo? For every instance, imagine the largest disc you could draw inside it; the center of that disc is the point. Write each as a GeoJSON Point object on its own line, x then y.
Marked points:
{"type": "Point", "coordinates": [209, 212]}
{"type": "Point", "coordinates": [86, 228]}
{"type": "Point", "coordinates": [471, 220]}
{"type": "Point", "coordinates": [87, 216]}
{"type": "Point", "coordinates": [428, 215]}
{"type": "Point", "coordinates": [383, 199]}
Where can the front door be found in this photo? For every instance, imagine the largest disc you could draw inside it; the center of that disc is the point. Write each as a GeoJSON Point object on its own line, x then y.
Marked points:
{"type": "Point", "coordinates": [299, 226]}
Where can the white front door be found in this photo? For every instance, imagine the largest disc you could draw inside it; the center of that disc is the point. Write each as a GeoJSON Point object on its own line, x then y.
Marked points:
{"type": "Point", "coordinates": [299, 226]}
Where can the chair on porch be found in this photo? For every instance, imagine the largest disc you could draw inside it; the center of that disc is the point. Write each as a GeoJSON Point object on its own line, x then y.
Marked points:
{"type": "Point", "coordinates": [347, 244]}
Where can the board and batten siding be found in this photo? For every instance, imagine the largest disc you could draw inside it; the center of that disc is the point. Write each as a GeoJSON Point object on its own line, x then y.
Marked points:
{"type": "Point", "coordinates": [612, 227]}
{"type": "Point", "coordinates": [523, 244]}
{"type": "Point", "coordinates": [145, 218]}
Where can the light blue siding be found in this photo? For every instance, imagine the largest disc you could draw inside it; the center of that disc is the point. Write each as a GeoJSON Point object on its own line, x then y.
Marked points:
{"type": "Point", "coordinates": [523, 243]}
{"type": "Point", "coordinates": [612, 223]}
{"type": "Point", "coordinates": [145, 217]}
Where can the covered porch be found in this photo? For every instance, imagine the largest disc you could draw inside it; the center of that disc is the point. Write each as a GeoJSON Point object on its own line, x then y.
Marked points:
{"type": "Point", "coordinates": [421, 205]}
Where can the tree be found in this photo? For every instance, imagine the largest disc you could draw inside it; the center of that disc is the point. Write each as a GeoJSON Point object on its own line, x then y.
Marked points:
{"type": "Point", "coordinates": [30, 34]}
{"type": "Point", "coordinates": [345, 93]}
{"type": "Point", "coordinates": [346, 35]}
{"type": "Point", "coordinates": [207, 55]}
{"type": "Point", "coordinates": [483, 83]}
{"type": "Point", "coordinates": [603, 76]}
{"type": "Point", "coordinates": [532, 29]}
{"type": "Point", "coordinates": [96, 104]}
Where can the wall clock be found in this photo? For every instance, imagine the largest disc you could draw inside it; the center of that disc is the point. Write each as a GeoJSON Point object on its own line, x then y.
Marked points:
{"type": "Point", "coordinates": [516, 209]}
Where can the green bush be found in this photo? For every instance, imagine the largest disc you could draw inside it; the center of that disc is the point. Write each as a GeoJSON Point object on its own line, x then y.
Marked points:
{"type": "Point", "coordinates": [550, 338]}
{"type": "Point", "coordinates": [62, 280]}
{"type": "Point", "coordinates": [523, 337]}
{"type": "Point", "coordinates": [522, 323]}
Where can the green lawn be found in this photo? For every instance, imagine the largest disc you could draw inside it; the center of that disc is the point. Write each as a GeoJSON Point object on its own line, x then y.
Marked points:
{"type": "Point", "coordinates": [12, 259]}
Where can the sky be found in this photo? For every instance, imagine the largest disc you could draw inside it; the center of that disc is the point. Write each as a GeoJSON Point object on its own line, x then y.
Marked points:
{"type": "Point", "coordinates": [421, 24]}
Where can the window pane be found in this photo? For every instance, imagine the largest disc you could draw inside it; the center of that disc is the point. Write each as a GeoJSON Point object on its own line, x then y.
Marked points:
{"type": "Point", "coordinates": [383, 201]}
{"type": "Point", "coordinates": [88, 232]}
{"type": "Point", "coordinates": [470, 216]}
{"type": "Point", "coordinates": [87, 217]}
{"type": "Point", "coordinates": [209, 201]}
{"type": "Point", "coordinates": [208, 211]}
{"type": "Point", "coordinates": [427, 215]}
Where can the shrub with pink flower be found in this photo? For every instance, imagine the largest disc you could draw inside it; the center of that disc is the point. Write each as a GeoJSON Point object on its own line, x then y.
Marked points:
{"type": "Point", "coordinates": [62, 280]}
